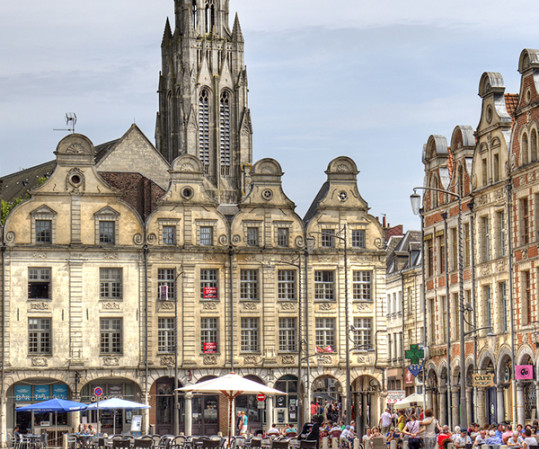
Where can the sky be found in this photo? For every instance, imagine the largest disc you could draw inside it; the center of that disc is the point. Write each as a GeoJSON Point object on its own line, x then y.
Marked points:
{"type": "Point", "coordinates": [368, 80]}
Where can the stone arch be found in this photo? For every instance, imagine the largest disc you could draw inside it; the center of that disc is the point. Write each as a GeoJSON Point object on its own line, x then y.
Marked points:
{"type": "Point", "coordinates": [342, 165]}
{"type": "Point", "coordinates": [268, 166]}
{"type": "Point", "coordinates": [455, 371]}
{"type": "Point", "coordinates": [59, 376]}
{"type": "Point", "coordinates": [524, 350]}
{"type": "Point", "coordinates": [491, 82]}
{"type": "Point", "coordinates": [485, 358]}
{"type": "Point", "coordinates": [529, 59]}
{"type": "Point", "coordinates": [503, 357]}
{"type": "Point", "coordinates": [436, 146]}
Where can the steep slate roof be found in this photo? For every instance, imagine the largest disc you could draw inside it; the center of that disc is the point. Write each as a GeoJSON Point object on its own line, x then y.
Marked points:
{"type": "Point", "coordinates": [16, 185]}
{"type": "Point", "coordinates": [314, 205]}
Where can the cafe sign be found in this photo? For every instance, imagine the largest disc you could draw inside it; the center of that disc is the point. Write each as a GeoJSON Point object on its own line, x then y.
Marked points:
{"type": "Point", "coordinates": [483, 380]}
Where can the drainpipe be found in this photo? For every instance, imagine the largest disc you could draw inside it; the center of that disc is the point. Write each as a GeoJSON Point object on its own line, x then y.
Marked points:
{"type": "Point", "coordinates": [448, 312]}
{"type": "Point", "coordinates": [146, 374]}
{"type": "Point", "coordinates": [474, 300]}
{"type": "Point", "coordinates": [512, 306]}
{"type": "Point", "coordinates": [402, 339]}
{"type": "Point", "coordinates": [231, 286]}
{"type": "Point", "coordinates": [3, 374]}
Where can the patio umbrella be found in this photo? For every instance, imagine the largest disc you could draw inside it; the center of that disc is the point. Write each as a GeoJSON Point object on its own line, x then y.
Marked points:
{"type": "Point", "coordinates": [231, 386]}
{"type": "Point", "coordinates": [117, 404]}
{"type": "Point", "coordinates": [54, 406]}
{"type": "Point", "coordinates": [408, 401]}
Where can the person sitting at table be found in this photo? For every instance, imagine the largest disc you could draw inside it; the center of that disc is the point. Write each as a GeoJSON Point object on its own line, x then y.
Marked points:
{"type": "Point", "coordinates": [290, 430]}
{"type": "Point", "coordinates": [514, 440]}
{"type": "Point", "coordinates": [529, 440]}
{"type": "Point", "coordinates": [91, 430]}
{"type": "Point", "coordinates": [494, 440]}
{"type": "Point", "coordinates": [481, 438]}
{"type": "Point", "coordinates": [273, 431]}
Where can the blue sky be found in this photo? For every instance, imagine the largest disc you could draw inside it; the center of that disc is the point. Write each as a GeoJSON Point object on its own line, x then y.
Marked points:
{"type": "Point", "coordinates": [370, 80]}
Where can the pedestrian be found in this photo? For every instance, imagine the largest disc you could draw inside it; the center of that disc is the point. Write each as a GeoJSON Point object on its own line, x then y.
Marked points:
{"type": "Point", "coordinates": [313, 409]}
{"type": "Point", "coordinates": [402, 420]}
{"type": "Point", "coordinates": [529, 441]}
{"type": "Point", "coordinates": [385, 421]}
{"type": "Point", "coordinates": [244, 423]}
{"type": "Point", "coordinates": [430, 424]}
{"type": "Point", "coordinates": [412, 429]}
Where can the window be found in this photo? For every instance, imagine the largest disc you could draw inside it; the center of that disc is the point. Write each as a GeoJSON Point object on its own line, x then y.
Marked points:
{"type": "Point", "coordinates": [166, 284]}
{"type": "Point", "coordinates": [110, 283]}
{"type": "Point", "coordinates": [502, 290]}
{"type": "Point", "coordinates": [484, 172]}
{"type": "Point", "coordinates": [363, 333]}
{"type": "Point", "coordinates": [209, 278]}
{"type": "Point", "coordinates": [252, 236]}
{"type": "Point", "coordinates": [524, 221]}
{"type": "Point", "coordinates": [249, 285]}
{"type": "Point", "coordinates": [39, 335]}
{"type": "Point", "coordinates": [204, 129]}
{"type": "Point", "coordinates": [325, 334]}
{"type": "Point", "coordinates": [44, 231]}
{"type": "Point", "coordinates": [208, 335]}
{"type": "Point", "coordinates": [39, 283]}
{"type": "Point", "coordinates": [430, 258]}
{"type": "Point", "coordinates": [533, 145]}
{"type": "Point", "coordinates": [460, 181]}
{"type": "Point", "coordinates": [526, 297]}
{"type": "Point", "coordinates": [286, 285]}
{"type": "Point", "coordinates": [166, 335]}
{"type": "Point", "coordinates": [111, 335]}
{"type": "Point", "coordinates": [536, 220]}
{"type": "Point", "coordinates": [485, 228]}
{"type": "Point", "coordinates": [206, 236]}
{"type": "Point", "coordinates": [496, 164]}
{"type": "Point", "coordinates": [224, 117]}
{"type": "Point", "coordinates": [358, 238]}
{"type": "Point", "coordinates": [524, 149]}
{"type": "Point", "coordinates": [362, 285]}
{"type": "Point", "coordinates": [169, 235]}
{"type": "Point", "coordinates": [287, 335]}
{"type": "Point", "coordinates": [283, 237]}
{"type": "Point", "coordinates": [432, 321]}
{"type": "Point", "coordinates": [454, 249]}
{"type": "Point", "coordinates": [467, 252]}
{"type": "Point", "coordinates": [442, 254]}
{"type": "Point", "coordinates": [249, 335]}
{"type": "Point", "coordinates": [501, 234]}
{"type": "Point", "coordinates": [444, 329]}
{"type": "Point", "coordinates": [106, 232]}
{"type": "Point", "coordinates": [328, 238]}
{"type": "Point", "coordinates": [324, 285]}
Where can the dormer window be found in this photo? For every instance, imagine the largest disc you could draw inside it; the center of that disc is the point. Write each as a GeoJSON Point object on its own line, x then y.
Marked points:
{"type": "Point", "coordinates": [43, 226]}
{"type": "Point", "coordinates": [106, 226]}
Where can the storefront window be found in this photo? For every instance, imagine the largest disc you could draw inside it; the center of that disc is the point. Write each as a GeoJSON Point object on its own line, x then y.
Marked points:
{"type": "Point", "coordinates": [286, 407]}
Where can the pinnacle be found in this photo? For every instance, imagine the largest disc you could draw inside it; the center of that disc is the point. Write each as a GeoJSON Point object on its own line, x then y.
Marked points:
{"type": "Point", "coordinates": [237, 35]}
{"type": "Point", "coordinates": [167, 35]}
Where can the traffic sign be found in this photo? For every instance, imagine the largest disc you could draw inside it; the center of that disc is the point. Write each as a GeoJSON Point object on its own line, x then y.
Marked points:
{"type": "Point", "coordinates": [260, 397]}
{"type": "Point", "coordinates": [98, 391]}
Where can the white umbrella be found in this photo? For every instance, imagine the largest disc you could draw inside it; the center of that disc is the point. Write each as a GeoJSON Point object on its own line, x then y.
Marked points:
{"type": "Point", "coordinates": [116, 404]}
{"type": "Point", "coordinates": [231, 386]}
{"type": "Point", "coordinates": [408, 401]}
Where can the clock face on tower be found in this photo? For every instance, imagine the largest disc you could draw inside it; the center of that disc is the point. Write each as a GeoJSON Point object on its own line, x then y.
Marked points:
{"type": "Point", "coordinates": [343, 196]}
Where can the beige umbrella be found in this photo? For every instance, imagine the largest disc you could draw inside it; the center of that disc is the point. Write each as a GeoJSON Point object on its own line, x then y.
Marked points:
{"type": "Point", "coordinates": [231, 386]}
{"type": "Point", "coordinates": [409, 401]}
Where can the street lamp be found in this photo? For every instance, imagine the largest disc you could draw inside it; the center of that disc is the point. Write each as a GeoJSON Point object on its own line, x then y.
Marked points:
{"type": "Point", "coordinates": [415, 199]}
{"type": "Point", "coordinates": [346, 319]}
{"type": "Point", "coordinates": [176, 408]}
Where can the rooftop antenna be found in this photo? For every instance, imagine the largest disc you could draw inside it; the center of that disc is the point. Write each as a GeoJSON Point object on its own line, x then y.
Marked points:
{"type": "Point", "coordinates": [71, 121]}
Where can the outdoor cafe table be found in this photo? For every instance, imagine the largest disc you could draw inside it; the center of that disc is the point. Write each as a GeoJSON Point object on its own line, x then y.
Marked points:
{"type": "Point", "coordinates": [84, 439]}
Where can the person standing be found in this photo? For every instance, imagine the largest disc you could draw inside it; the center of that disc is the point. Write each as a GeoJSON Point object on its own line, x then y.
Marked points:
{"type": "Point", "coordinates": [385, 421]}
{"type": "Point", "coordinates": [244, 421]}
{"type": "Point", "coordinates": [429, 434]}
{"type": "Point", "coordinates": [412, 429]}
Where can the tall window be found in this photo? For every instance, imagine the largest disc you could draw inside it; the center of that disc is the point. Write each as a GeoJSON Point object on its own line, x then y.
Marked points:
{"type": "Point", "coordinates": [249, 285]}
{"type": "Point", "coordinates": [110, 283]}
{"type": "Point", "coordinates": [39, 283]}
{"type": "Point", "coordinates": [362, 285]}
{"type": "Point", "coordinates": [249, 335]}
{"type": "Point", "coordinates": [39, 335]}
{"type": "Point", "coordinates": [166, 335]}
{"type": "Point", "coordinates": [526, 303]}
{"type": "Point", "coordinates": [208, 283]}
{"type": "Point", "coordinates": [209, 328]}
{"type": "Point", "coordinates": [287, 335]}
{"type": "Point", "coordinates": [324, 285]}
{"type": "Point", "coordinates": [454, 249]}
{"type": "Point", "coordinates": [206, 236]}
{"type": "Point", "coordinates": [169, 235]}
{"type": "Point", "coordinates": [106, 232]}
{"type": "Point", "coordinates": [43, 231]}
{"type": "Point", "coordinates": [358, 238]}
{"type": "Point", "coordinates": [111, 335]}
{"type": "Point", "coordinates": [536, 219]}
{"type": "Point", "coordinates": [325, 333]}
{"type": "Point", "coordinates": [166, 284]}
{"type": "Point", "coordinates": [533, 146]}
{"type": "Point", "coordinates": [443, 320]}
{"type": "Point", "coordinates": [430, 258]}
{"type": "Point", "coordinates": [328, 238]}
{"type": "Point", "coordinates": [363, 333]}
{"type": "Point", "coordinates": [286, 285]}
{"type": "Point", "coordinates": [524, 149]}
{"type": "Point", "coordinates": [501, 234]}
{"type": "Point", "coordinates": [485, 228]}
{"type": "Point", "coordinates": [524, 221]}
{"type": "Point", "coordinates": [484, 171]}
{"type": "Point", "coordinates": [432, 321]}
{"type": "Point", "coordinates": [488, 303]}
{"type": "Point", "coordinates": [467, 252]}
{"type": "Point", "coordinates": [204, 129]}
{"type": "Point", "coordinates": [502, 292]}
{"type": "Point", "coordinates": [496, 164]}
{"type": "Point", "coordinates": [442, 254]}
{"type": "Point", "coordinates": [210, 18]}
{"type": "Point", "coordinates": [224, 117]}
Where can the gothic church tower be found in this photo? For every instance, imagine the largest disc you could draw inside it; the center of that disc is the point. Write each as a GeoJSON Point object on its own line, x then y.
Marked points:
{"type": "Point", "coordinates": [203, 108]}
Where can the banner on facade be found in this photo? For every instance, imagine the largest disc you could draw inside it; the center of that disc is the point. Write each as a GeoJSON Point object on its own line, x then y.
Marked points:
{"type": "Point", "coordinates": [42, 392]}
{"type": "Point", "coordinates": [23, 393]}
{"type": "Point", "coordinates": [409, 378]}
{"type": "Point", "coordinates": [209, 348]}
{"type": "Point", "coordinates": [524, 372]}
{"type": "Point", "coordinates": [483, 380]}
{"type": "Point", "coordinates": [395, 396]}
{"type": "Point", "coordinates": [210, 292]}
{"type": "Point", "coordinates": [326, 350]}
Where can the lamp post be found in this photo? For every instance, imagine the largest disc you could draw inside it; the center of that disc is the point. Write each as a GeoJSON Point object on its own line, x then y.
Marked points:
{"type": "Point", "coordinates": [346, 319]}
{"type": "Point", "coordinates": [176, 408]}
{"type": "Point", "coordinates": [415, 199]}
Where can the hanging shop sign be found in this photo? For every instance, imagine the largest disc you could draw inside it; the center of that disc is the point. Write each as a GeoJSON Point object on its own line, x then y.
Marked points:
{"type": "Point", "coordinates": [23, 393]}
{"type": "Point", "coordinates": [415, 369]}
{"type": "Point", "coordinates": [394, 396]}
{"type": "Point", "coordinates": [524, 372]}
{"type": "Point", "coordinates": [483, 380]}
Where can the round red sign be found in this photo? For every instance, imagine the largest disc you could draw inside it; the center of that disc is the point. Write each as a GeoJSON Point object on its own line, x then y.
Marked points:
{"type": "Point", "coordinates": [260, 397]}
{"type": "Point", "coordinates": [98, 391]}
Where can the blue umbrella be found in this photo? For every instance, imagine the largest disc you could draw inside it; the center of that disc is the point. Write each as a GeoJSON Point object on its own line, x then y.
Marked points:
{"type": "Point", "coordinates": [54, 406]}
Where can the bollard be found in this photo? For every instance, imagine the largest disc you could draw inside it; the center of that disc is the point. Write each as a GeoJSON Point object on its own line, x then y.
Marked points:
{"type": "Point", "coordinates": [451, 446]}
{"type": "Point", "coordinates": [64, 441]}
{"type": "Point", "coordinates": [393, 444]}
{"type": "Point", "coordinates": [356, 443]}
{"type": "Point", "coordinates": [405, 444]}
{"type": "Point", "coordinates": [334, 443]}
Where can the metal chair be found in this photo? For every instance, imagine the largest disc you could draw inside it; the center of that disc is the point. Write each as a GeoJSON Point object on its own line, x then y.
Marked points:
{"type": "Point", "coordinates": [256, 443]}
{"type": "Point", "coordinates": [275, 444]}
{"type": "Point", "coordinates": [143, 443]}
{"type": "Point", "coordinates": [121, 444]}
{"type": "Point", "coordinates": [307, 444]}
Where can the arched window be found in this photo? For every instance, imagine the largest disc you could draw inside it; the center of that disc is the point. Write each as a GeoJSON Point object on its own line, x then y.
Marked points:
{"type": "Point", "coordinates": [204, 129]}
{"type": "Point", "coordinates": [524, 149]}
{"type": "Point", "coordinates": [460, 181]}
{"type": "Point", "coordinates": [224, 123]}
{"type": "Point", "coordinates": [194, 12]}
{"type": "Point", "coordinates": [434, 194]}
{"type": "Point", "coordinates": [533, 146]}
{"type": "Point", "coordinates": [210, 17]}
